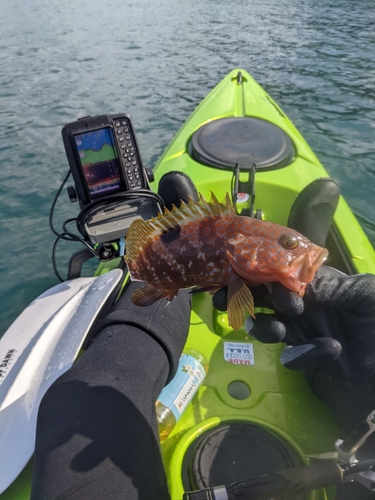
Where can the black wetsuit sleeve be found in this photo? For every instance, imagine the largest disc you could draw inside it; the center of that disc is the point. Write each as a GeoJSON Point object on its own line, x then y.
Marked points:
{"type": "Point", "coordinates": [97, 432]}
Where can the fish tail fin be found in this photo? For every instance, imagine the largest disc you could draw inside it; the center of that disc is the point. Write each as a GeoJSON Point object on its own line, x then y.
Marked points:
{"type": "Point", "coordinates": [239, 299]}
{"type": "Point", "coordinates": [148, 294]}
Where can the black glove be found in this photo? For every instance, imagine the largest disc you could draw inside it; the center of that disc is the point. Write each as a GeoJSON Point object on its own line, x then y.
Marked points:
{"type": "Point", "coordinates": [330, 335]}
{"type": "Point", "coordinates": [330, 331]}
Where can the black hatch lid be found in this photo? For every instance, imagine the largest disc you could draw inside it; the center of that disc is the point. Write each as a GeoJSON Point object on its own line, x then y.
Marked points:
{"type": "Point", "coordinates": [225, 142]}
{"type": "Point", "coordinates": [236, 451]}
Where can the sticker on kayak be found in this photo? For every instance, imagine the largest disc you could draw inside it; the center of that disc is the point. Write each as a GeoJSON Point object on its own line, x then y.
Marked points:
{"type": "Point", "coordinates": [239, 353]}
{"type": "Point", "coordinates": [242, 197]}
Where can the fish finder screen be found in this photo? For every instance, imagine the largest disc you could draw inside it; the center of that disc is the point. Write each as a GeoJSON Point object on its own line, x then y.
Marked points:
{"type": "Point", "coordinates": [99, 160]}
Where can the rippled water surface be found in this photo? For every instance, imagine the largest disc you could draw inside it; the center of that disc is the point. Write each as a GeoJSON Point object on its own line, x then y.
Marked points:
{"type": "Point", "coordinates": [157, 60]}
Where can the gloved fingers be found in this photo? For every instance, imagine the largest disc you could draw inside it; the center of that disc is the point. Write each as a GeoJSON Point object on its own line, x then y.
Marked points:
{"type": "Point", "coordinates": [284, 300]}
{"type": "Point", "coordinates": [266, 328]}
{"type": "Point", "coordinates": [219, 299]}
{"type": "Point", "coordinates": [260, 294]}
{"type": "Point", "coordinates": [311, 354]}
{"type": "Point", "coordinates": [268, 295]}
{"type": "Point", "coordinates": [333, 288]}
{"type": "Point", "coordinates": [330, 288]}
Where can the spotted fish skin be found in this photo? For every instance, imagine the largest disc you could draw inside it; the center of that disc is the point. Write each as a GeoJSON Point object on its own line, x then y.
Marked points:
{"type": "Point", "coordinates": [206, 245]}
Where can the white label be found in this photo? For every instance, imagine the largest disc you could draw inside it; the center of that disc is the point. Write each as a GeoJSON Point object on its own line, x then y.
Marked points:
{"type": "Point", "coordinates": [196, 376]}
{"type": "Point", "coordinates": [239, 353]}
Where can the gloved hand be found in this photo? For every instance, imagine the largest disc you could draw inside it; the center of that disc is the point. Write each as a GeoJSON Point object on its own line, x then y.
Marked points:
{"type": "Point", "coordinates": [330, 335]}
{"type": "Point", "coordinates": [330, 331]}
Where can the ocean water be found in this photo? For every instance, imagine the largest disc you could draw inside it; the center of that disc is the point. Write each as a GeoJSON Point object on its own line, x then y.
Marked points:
{"type": "Point", "coordinates": [156, 60]}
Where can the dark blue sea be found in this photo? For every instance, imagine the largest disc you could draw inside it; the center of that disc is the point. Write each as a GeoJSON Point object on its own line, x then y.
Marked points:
{"type": "Point", "coordinates": [156, 60]}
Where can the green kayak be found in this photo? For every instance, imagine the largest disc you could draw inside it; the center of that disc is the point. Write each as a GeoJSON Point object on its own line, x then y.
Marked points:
{"type": "Point", "coordinates": [246, 385]}
{"type": "Point", "coordinates": [270, 396]}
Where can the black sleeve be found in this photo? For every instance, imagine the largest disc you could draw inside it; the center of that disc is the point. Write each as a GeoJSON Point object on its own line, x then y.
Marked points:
{"type": "Point", "coordinates": [97, 432]}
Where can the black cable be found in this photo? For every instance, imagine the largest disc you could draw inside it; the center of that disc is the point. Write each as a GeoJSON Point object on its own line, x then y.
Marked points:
{"type": "Point", "coordinates": [74, 237]}
{"type": "Point", "coordinates": [85, 213]}
{"type": "Point", "coordinates": [54, 260]}
{"type": "Point", "coordinates": [74, 219]}
{"type": "Point", "coordinates": [69, 236]}
{"type": "Point", "coordinates": [54, 204]}
{"type": "Point", "coordinates": [66, 235]}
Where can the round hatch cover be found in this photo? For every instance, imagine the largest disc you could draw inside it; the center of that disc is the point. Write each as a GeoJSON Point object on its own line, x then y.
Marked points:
{"type": "Point", "coordinates": [236, 451]}
{"type": "Point", "coordinates": [246, 141]}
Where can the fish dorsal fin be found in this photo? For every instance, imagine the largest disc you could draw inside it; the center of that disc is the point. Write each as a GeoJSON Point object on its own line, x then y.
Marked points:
{"type": "Point", "coordinates": [168, 225]}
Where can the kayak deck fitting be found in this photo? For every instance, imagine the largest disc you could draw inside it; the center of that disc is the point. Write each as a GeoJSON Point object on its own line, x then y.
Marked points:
{"type": "Point", "coordinates": [247, 392]}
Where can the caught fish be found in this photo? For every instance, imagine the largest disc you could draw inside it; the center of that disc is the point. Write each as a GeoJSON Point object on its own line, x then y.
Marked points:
{"type": "Point", "coordinates": [207, 245]}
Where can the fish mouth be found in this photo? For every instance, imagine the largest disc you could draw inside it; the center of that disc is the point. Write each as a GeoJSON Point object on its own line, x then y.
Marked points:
{"type": "Point", "coordinates": [308, 270]}
{"type": "Point", "coordinates": [304, 266]}
{"type": "Point", "coordinates": [304, 269]}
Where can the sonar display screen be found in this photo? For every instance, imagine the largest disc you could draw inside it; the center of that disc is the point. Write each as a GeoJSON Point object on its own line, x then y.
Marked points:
{"type": "Point", "coordinates": [99, 161]}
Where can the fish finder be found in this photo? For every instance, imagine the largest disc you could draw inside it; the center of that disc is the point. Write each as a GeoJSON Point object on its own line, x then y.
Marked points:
{"type": "Point", "coordinates": [103, 156]}
{"type": "Point", "coordinates": [111, 183]}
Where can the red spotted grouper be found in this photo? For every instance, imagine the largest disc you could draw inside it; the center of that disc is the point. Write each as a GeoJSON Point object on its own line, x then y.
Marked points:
{"type": "Point", "coordinates": [206, 245]}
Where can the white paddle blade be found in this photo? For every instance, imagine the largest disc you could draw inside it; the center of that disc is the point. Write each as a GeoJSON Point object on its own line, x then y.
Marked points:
{"type": "Point", "coordinates": [38, 347]}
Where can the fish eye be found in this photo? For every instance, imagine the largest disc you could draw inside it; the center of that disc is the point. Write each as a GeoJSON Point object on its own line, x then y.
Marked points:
{"type": "Point", "coordinates": [288, 241]}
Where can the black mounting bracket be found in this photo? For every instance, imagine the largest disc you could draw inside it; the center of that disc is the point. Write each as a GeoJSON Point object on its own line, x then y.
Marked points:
{"type": "Point", "coordinates": [247, 187]}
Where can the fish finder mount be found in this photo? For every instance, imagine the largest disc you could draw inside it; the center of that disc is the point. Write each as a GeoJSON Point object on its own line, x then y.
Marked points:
{"type": "Point", "coordinates": [243, 192]}
{"type": "Point", "coordinates": [111, 184]}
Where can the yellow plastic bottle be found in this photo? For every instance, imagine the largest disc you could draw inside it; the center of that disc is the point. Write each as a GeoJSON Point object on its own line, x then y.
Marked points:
{"type": "Point", "coordinates": [175, 396]}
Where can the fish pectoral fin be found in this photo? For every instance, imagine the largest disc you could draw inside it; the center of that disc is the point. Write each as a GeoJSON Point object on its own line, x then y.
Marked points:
{"type": "Point", "coordinates": [149, 294]}
{"type": "Point", "coordinates": [239, 299]}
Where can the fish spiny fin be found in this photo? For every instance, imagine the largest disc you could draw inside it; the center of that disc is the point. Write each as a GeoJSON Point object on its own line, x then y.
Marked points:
{"type": "Point", "coordinates": [202, 209]}
{"type": "Point", "coordinates": [139, 236]}
{"type": "Point", "coordinates": [142, 233]}
{"type": "Point", "coordinates": [239, 299]}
